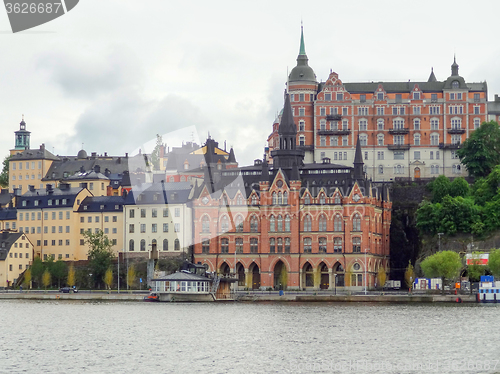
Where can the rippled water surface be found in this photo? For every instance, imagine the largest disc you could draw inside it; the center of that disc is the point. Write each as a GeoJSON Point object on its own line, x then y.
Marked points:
{"type": "Point", "coordinates": [119, 337]}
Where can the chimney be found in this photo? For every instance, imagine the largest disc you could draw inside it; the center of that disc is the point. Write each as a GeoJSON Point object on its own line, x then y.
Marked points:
{"type": "Point", "coordinates": [48, 187]}
{"type": "Point", "coordinates": [17, 192]}
{"type": "Point", "coordinates": [105, 154]}
{"type": "Point", "coordinates": [126, 155]}
{"type": "Point", "coordinates": [93, 154]}
{"type": "Point", "coordinates": [109, 191]}
{"type": "Point", "coordinates": [97, 169]}
{"type": "Point", "coordinates": [31, 188]}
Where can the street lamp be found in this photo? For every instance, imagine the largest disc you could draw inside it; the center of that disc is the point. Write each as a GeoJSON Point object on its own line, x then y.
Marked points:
{"type": "Point", "coordinates": [439, 240]}
{"type": "Point", "coordinates": [366, 270]}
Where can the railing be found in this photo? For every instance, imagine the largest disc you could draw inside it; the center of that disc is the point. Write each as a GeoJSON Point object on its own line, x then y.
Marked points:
{"type": "Point", "coordinates": [306, 147]}
{"type": "Point", "coordinates": [334, 132]}
{"type": "Point", "coordinates": [399, 131]}
{"type": "Point", "coordinates": [333, 117]}
{"type": "Point", "coordinates": [449, 146]}
{"type": "Point", "coordinates": [456, 131]}
{"type": "Point", "coordinates": [398, 147]}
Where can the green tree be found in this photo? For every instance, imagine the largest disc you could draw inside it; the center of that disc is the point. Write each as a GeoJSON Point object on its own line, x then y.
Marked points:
{"type": "Point", "coordinates": [100, 254]}
{"type": "Point", "coordinates": [409, 276]}
{"type": "Point", "coordinates": [440, 187]}
{"type": "Point", "coordinates": [131, 276]}
{"type": "Point", "coordinates": [381, 277]}
{"type": "Point", "coordinates": [494, 262]}
{"type": "Point", "coordinates": [27, 279]}
{"type": "Point", "coordinates": [58, 270]}
{"type": "Point", "coordinates": [155, 155]}
{"type": "Point", "coordinates": [71, 275]}
{"type": "Point", "coordinates": [284, 277]}
{"type": "Point", "coordinates": [475, 268]}
{"type": "Point", "coordinates": [108, 278]}
{"type": "Point", "coordinates": [459, 187]}
{"type": "Point", "coordinates": [46, 279]}
{"type": "Point", "coordinates": [37, 269]}
{"type": "Point", "coordinates": [4, 176]}
{"type": "Point", "coordinates": [444, 264]}
{"type": "Point", "coordinates": [480, 153]}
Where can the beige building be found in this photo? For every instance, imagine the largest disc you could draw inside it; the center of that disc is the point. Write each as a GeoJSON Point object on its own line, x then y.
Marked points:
{"type": "Point", "coordinates": [51, 220]}
{"type": "Point", "coordinates": [16, 254]}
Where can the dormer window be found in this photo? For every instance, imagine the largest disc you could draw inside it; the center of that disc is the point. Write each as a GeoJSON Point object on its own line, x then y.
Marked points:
{"type": "Point", "coordinates": [24, 202]}
{"type": "Point", "coordinates": [455, 84]}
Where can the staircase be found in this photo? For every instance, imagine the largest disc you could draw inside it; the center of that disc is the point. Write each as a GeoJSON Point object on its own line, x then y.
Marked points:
{"type": "Point", "coordinates": [215, 284]}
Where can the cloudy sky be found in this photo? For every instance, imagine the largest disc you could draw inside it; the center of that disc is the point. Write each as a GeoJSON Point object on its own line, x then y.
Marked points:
{"type": "Point", "coordinates": [112, 74]}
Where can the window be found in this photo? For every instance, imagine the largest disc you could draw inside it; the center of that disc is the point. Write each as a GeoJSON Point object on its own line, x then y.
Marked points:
{"type": "Point", "coordinates": [307, 199]}
{"type": "Point", "coordinates": [205, 224]}
{"type": "Point", "coordinates": [143, 213]}
{"type": "Point", "coordinates": [154, 228]}
{"type": "Point", "coordinates": [302, 112]}
{"type": "Point", "coordinates": [254, 224]}
{"type": "Point", "coordinates": [322, 223]}
{"type": "Point", "coordinates": [434, 124]}
{"type": "Point", "coordinates": [434, 169]}
{"type": "Point", "coordinates": [434, 110]}
{"type": "Point", "coordinates": [131, 245]}
{"type": "Point", "coordinates": [165, 227]}
{"type": "Point", "coordinates": [477, 123]}
{"type": "Point", "coordinates": [106, 219]}
{"type": "Point", "coordinates": [322, 125]}
{"type": "Point", "coordinates": [302, 140]}
{"type": "Point", "coordinates": [416, 96]}
{"type": "Point", "coordinates": [363, 124]}
{"type": "Point", "coordinates": [337, 245]}
{"type": "Point", "coordinates": [143, 228]}
{"type": "Point", "coordinates": [287, 223]}
{"type": "Point", "coordinates": [363, 140]}
{"type": "Point", "coordinates": [380, 155]}
{"type": "Point", "coordinates": [362, 98]}
{"type": "Point", "coordinates": [334, 141]}
{"type": "Point", "coordinates": [143, 245]}
{"type": "Point", "coordinates": [224, 245]}
{"type": "Point", "coordinates": [272, 224]}
{"type": "Point", "coordinates": [322, 141]}
{"type": "Point", "coordinates": [287, 245]}
{"type": "Point", "coordinates": [416, 155]}
{"type": "Point", "coordinates": [154, 212]}
{"type": "Point", "coordinates": [272, 245]}
{"type": "Point", "coordinates": [398, 124]}
{"type": "Point", "coordinates": [399, 155]}
{"type": "Point", "coordinates": [239, 224]}
{"type": "Point", "coordinates": [437, 155]}
{"type": "Point", "coordinates": [416, 139]}
{"type": "Point", "coordinates": [345, 111]}
{"type": "Point", "coordinates": [356, 222]}
{"type": "Point", "coordinates": [307, 223]}
{"type": "Point", "coordinates": [380, 110]}
{"type": "Point", "coordinates": [254, 245]}
{"type": "Point", "coordinates": [362, 111]}
{"type": "Point", "coordinates": [476, 98]}
{"type": "Point", "coordinates": [337, 199]}
{"type": "Point", "coordinates": [322, 245]}
{"type": "Point", "coordinates": [307, 245]}
{"type": "Point", "coordinates": [434, 139]}
{"type": "Point", "coordinates": [285, 198]}
{"type": "Point", "coordinates": [398, 98]}
{"type": "Point", "coordinates": [302, 125]}
{"type": "Point", "coordinates": [280, 223]}
{"type": "Point", "coordinates": [381, 169]}
{"type": "Point", "coordinates": [224, 224]}
{"type": "Point", "coordinates": [177, 212]}
{"type": "Point", "coordinates": [177, 227]}
{"type": "Point", "coordinates": [337, 223]}
{"type": "Point", "coordinates": [416, 124]}
{"type": "Point", "coordinates": [434, 98]}
{"type": "Point", "coordinates": [380, 139]}
{"type": "Point", "coordinates": [456, 139]}
{"type": "Point", "coordinates": [399, 169]}
{"type": "Point", "coordinates": [238, 245]}
{"type": "Point", "coordinates": [340, 97]}
{"type": "Point", "coordinates": [356, 245]}
{"type": "Point", "coordinates": [456, 123]}
{"type": "Point", "coordinates": [165, 212]}
{"type": "Point", "coordinates": [345, 141]}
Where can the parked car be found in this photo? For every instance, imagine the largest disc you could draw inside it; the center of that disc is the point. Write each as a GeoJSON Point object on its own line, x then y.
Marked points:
{"type": "Point", "coordinates": [68, 290]}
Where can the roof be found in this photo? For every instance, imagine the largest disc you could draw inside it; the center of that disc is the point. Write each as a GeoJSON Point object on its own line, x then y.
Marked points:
{"type": "Point", "coordinates": [6, 241]}
{"type": "Point", "coordinates": [70, 166]}
{"type": "Point", "coordinates": [399, 87]}
{"type": "Point", "coordinates": [102, 204]}
{"type": "Point", "coordinates": [34, 154]}
{"type": "Point", "coordinates": [183, 276]}
{"type": "Point", "coordinates": [45, 198]}
{"type": "Point", "coordinates": [159, 193]}
{"type": "Point", "coordinates": [302, 72]}
{"type": "Point", "coordinates": [8, 214]}
{"type": "Point", "coordinates": [5, 197]}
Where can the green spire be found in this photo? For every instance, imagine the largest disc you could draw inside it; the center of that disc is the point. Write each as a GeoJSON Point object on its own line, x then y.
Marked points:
{"type": "Point", "coordinates": [302, 45]}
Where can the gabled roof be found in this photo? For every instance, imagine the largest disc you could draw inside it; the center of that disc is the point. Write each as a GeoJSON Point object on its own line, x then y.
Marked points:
{"type": "Point", "coordinates": [6, 241]}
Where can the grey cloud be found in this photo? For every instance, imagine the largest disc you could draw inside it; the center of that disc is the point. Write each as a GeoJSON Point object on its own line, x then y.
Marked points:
{"type": "Point", "coordinates": [85, 75]}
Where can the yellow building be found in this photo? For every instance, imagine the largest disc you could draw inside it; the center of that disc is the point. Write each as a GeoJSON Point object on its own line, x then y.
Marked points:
{"type": "Point", "coordinates": [51, 220]}
{"type": "Point", "coordinates": [16, 254]}
{"type": "Point", "coordinates": [102, 213]}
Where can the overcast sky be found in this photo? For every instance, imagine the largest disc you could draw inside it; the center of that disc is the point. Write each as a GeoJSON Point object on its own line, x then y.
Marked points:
{"type": "Point", "coordinates": [114, 73]}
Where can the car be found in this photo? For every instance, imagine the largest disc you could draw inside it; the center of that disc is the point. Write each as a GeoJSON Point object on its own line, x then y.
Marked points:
{"type": "Point", "coordinates": [68, 290]}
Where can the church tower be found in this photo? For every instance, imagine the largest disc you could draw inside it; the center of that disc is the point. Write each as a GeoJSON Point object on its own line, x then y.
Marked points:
{"type": "Point", "coordinates": [22, 140]}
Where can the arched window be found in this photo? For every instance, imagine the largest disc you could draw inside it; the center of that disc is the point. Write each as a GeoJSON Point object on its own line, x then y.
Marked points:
{"type": "Point", "coordinates": [280, 223]}
{"type": "Point", "coordinates": [275, 198]}
{"type": "Point", "coordinates": [285, 198]}
{"type": "Point", "coordinates": [337, 199]}
{"type": "Point", "coordinates": [143, 245]}
{"type": "Point", "coordinates": [239, 200]}
{"type": "Point", "coordinates": [287, 245]}
{"type": "Point", "coordinates": [416, 123]}
{"type": "Point", "coordinates": [399, 169]}
{"type": "Point", "coordinates": [239, 223]}
{"type": "Point", "coordinates": [177, 245]}
{"type": "Point", "coordinates": [255, 199]}
{"type": "Point", "coordinates": [302, 140]}
{"type": "Point", "coordinates": [272, 245]}
{"type": "Point", "coordinates": [337, 223]}
{"type": "Point", "coordinates": [416, 139]}
{"type": "Point", "coordinates": [380, 139]}
{"type": "Point", "coordinates": [205, 223]}
{"type": "Point", "coordinates": [224, 245]}
{"type": "Point", "coordinates": [307, 199]}
{"type": "Point", "coordinates": [254, 245]}
{"type": "Point", "coordinates": [280, 198]}
{"type": "Point", "coordinates": [280, 245]}
{"type": "Point", "coordinates": [380, 124]}
{"type": "Point", "coordinates": [131, 245]}
{"type": "Point", "coordinates": [205, 245]}
{"type": "Point", "coordinates": [272, 224]}
{"type": "Point", "coordinates": [363, 140]}
{"type": "Point", "coordinates": [254, 224]}
{"type": "Point", "coordinates": [356, 222]}
{"type": "Point", "coordinates": [322, 245]}
{"type": "Point", "coordinates": [322, 223]}
{"type": "Point", "coordinates": [287, 223]}
{"type": "Point", "coordinates": [224, 224]}
{"type": "Point", "coordinates": [434, 139]}
{"type": "Point", "coordinates": [165, 244]}
{"type": "Point", "coordinates": [307, 223]}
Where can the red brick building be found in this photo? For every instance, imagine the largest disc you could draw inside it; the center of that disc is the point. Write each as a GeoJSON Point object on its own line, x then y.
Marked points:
{"type": "Point", "coordinates": [293, 225]}
{"type": "Point", "coordinates": [406, 129]}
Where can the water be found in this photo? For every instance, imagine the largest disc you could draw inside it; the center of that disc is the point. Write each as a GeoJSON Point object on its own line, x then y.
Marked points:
{"type": "Point", "coordinates": [127, 337]}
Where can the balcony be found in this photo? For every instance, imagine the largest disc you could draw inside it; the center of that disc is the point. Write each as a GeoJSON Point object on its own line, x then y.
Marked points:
{"type": "Point", "coordinates": [333, 117]}
{"type": "Point", "coordinates": [449, 146]}
{"type": "Point", "coordinates": [306, 147]}
{"type": "Point", "coordinates": [398, 147]}
{"type": "Point", "coordinates": [401, 131]}
{"type": "Point", "coordinates": [334, 132]}
{"type": "Point", "coordinates": [456, 131]}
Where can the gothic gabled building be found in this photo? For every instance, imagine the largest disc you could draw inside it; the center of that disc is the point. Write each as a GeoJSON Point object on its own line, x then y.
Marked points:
{"type": "Point", "coordinates": [293, 224]}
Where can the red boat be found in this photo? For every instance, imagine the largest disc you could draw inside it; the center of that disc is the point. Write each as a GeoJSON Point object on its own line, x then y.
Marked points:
{"type": "Point", "coordinates": [152, 297]}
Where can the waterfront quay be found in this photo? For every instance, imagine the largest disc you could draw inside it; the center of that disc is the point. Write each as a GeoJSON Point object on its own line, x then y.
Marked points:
{"type": "Point", "coordinates": [254, 296]}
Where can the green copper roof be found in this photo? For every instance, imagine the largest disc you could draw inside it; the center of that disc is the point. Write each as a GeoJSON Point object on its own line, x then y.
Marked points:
{"type": "Point", "coordinates": [302, 45]}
